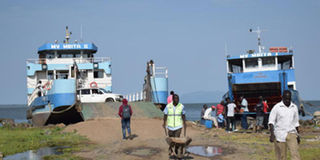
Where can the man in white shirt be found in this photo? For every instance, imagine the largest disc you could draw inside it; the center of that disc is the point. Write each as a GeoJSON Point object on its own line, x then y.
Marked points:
{"type": "Point", "coordinates": [284, 128]}
{"type": "Point", "coordinates": [230, 115]}
{"type": "Point", "coordinates": [244, 108]}
{"type": "Point", "coordinates": [207, 115]}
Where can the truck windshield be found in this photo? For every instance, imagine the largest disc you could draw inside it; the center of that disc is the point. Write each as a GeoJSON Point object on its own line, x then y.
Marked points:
{"type": "Point", "coordinates": [103, 90]}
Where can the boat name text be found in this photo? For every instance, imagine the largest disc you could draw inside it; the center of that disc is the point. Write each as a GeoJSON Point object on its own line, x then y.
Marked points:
{"type": "Point", "coordinates": [256, 55]}
{"type": "Point", "coordinates": [69, 46]}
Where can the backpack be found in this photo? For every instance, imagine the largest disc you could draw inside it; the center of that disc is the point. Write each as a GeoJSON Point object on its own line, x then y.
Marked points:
{"type": "Point", "coordinates": [126, 112]}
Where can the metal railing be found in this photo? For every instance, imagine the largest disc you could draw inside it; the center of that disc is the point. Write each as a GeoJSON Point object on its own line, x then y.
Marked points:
{"type": "Point", "coordinates": [68, 60]}
{"type": "Point", "coordinates": [47, 86]}
{"type": "Point", "coordinates": [134, 97]}
{"type": "Point", "coordinates": [161, 72]}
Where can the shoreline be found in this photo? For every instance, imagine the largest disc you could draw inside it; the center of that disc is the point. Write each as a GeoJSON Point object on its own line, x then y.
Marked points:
{"type": "Point", "coordinates": [106, 134]}
{"type": "Point", "coordinates": [101, 138]}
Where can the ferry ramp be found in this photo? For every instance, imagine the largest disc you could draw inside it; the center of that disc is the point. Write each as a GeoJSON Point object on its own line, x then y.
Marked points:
{"type": "Point", "coordinates": [110, 110]}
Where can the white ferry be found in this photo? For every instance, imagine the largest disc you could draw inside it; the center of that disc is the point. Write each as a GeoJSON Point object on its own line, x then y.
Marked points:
{"type": "Point", "coordinates": [61, 70]}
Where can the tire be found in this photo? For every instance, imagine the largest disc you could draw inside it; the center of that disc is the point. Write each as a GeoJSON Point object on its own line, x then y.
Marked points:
{"type": "Point", "coordinates": [109, 100]}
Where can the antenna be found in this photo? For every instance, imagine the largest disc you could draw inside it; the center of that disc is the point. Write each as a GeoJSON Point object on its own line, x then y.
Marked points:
{"type": "Point", "coordinates": [225, 49]}
{"type": "Point", "coordinates": [81, 39]}
{"type": "Point", "coordinates": [258, 31]}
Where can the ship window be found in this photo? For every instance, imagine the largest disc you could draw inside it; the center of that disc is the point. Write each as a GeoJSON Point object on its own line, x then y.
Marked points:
{"type": "Point", "coordinates": [83, 74]}
{"type": "Point", "coordinates": [85, 91]}
{"type": "Point", "coordinates": [284, 62]}
{"type": "Point", "coordinates": [66, 55]}
{"type": "Point", "coordinates": [98, 74]}
{"type": "Point", "coordinates": [77, 55]}
{"type": "Point", "coordinates": [50, 55]}
{"type": "Point", "coordinates": [62, 75]}
{"type": "Point", "coordinates": [235, 66]}
{"type": "Point", "coordinates": [251, 63]}
{"type": "Point", "coordinates": [268, 61]}
{"type": "Point", "coordinates": [50, 75]}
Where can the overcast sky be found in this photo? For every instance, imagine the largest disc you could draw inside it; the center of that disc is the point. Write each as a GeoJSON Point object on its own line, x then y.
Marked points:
{"type": "Point", "coordinates": [187, 36]}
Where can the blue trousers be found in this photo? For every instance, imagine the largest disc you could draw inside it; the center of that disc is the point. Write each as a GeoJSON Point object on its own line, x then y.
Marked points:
{"type": "Point", "coordinates": [244, 123]}
{"type": "Point", "coordinates": [125, 125]}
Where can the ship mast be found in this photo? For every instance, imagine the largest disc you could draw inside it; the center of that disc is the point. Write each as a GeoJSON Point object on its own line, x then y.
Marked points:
{"type": "Point", "coordinates": [67, 35]}
{"type": "Point", "coordinates": [258, 31]}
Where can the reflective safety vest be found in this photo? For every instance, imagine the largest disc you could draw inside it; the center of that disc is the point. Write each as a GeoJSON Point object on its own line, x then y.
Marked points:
{"type": "Point", "coordinates": [174, 116]}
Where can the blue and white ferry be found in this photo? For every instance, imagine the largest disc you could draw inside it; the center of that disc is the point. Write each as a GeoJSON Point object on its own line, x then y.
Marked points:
{"type": "Point", "coordinates": [262, 73]}
{"type": "Point", "coordinates": [54, 78]}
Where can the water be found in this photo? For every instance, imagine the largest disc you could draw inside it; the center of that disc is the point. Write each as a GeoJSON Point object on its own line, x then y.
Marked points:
{"type": "Point", "coordinates": [35, 155]}
{"type": "Point", "coordinates": [206, 151]}
{"type": "Point", "coordinates": [193, 110]}
{"type": "Point", "coordinates": [142, 151]}
{"type": "Point", "coordinates": [16, 112]}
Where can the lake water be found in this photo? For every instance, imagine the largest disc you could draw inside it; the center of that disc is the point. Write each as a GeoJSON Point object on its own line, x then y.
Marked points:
{"type": "Point", "coordinates": [193, 111]}
{"type": "Point", "coordinates": [18, 112]}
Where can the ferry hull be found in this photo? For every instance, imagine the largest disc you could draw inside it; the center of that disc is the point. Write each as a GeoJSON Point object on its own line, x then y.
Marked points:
{"type": "Point", "coordinates": [40, 119]}
{"type": "Point", "coordinates": [67, 115]}
{"type": "Point", "coordinates": [58, 106]}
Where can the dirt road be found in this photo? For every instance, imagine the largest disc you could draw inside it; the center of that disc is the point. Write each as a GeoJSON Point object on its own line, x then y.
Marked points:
{"type": "Point", "coordinates": [149, 142]}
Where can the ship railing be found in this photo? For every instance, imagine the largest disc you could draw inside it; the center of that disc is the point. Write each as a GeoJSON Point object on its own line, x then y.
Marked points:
{"type": "Point", "coordinates": [68, 60]}
{"type": "Point", "coordinates": [44, 90]}
{"type": "Point", "coordinates": [135, 97]}
{"type": "Point", "coordinates": [33, 96]}
{"type": "Point", "coordinates": [161, 72]}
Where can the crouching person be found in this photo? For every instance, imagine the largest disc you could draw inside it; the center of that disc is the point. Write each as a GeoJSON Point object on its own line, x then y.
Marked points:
{"type": "Point", "coordinates": [208, 115]}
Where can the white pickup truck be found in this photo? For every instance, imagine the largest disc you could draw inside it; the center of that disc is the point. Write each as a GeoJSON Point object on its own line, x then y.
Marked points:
{"type": "Point", "coordinates": [97, 95]}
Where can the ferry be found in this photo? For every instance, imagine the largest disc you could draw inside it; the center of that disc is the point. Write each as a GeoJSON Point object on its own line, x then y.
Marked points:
{"type": "Point", "coordinates": [54, 78]}
{"type": "Point", "coordinates": [261, 73]}
{"type": "Point", "coordinates": [155, 87]}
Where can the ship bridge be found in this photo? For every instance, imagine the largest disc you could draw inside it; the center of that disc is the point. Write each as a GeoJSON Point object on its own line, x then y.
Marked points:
{"type": "Point", "coordinates": [260, 62]}
{"type": "Point", "coordinates": [261, 74]}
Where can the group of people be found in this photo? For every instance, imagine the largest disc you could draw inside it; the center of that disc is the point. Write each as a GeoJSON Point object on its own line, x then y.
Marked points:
{"type": "Point", "coordinates": [224, 115]}
{"type": "Point", "coordinates": [283, 121]}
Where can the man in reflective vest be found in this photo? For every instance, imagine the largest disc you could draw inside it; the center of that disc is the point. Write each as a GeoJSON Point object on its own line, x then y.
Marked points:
{"type": "Point", "coordinates": [174, 120]}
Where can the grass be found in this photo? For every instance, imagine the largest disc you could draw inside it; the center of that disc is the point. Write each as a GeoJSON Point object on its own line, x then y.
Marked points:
{"type": "Point", "coordinates": [261, 148]}
{"type": "Point", "coordinates": [20, 139]}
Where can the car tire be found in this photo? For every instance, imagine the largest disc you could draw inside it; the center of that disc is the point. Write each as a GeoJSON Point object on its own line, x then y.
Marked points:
{"type": "Point", "coordinates": [109, 100]}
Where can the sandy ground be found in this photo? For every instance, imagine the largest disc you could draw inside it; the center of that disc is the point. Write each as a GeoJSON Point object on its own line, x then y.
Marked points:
{"type": "Point", "coordinates": [150, 143]}
{"type": "Point", "coordinates": [106, 132]}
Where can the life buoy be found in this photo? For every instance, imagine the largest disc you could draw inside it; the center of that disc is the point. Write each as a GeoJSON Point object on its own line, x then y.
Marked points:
{"type": "Point", "coordinates": [47, 86]}
{"type": "Point", "coordinates": [93, 84]}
